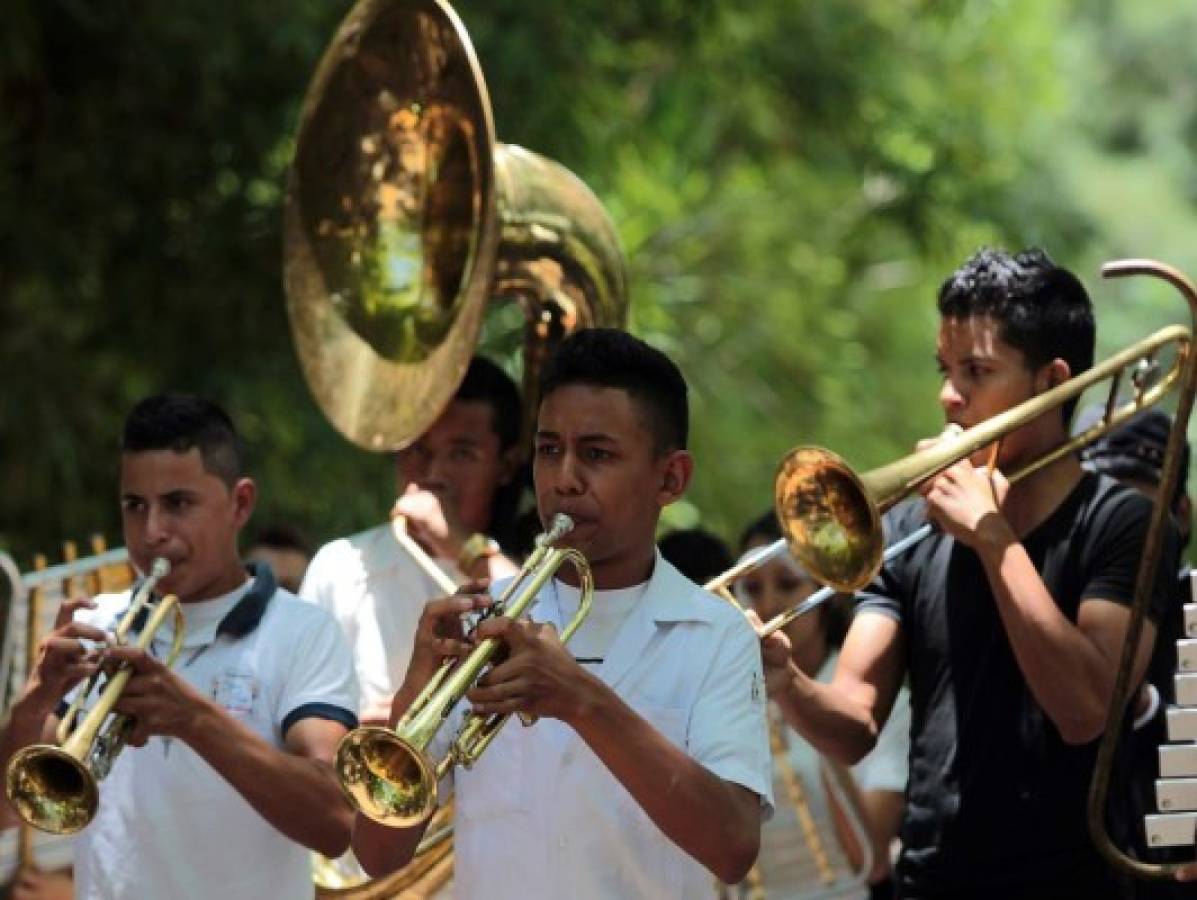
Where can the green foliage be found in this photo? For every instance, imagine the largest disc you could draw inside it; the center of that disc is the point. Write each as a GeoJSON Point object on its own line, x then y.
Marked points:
{"type": "Point", "coordinates": [791, 182]}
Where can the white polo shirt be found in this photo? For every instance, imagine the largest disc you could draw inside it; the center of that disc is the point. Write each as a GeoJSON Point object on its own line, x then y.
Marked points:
{"type": "Point", "coordinates": [376, 592]}
{"type": "Point", "coordinates": [169, 826]}
{"type": "Point", "coordinates": [541, 816]}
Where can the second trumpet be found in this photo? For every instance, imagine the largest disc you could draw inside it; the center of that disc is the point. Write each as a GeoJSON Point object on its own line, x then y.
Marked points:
{"type": "Point", "coordinates": [389, 775]}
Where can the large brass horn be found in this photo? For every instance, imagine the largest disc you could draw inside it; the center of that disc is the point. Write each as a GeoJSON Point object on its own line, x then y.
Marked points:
{"type": "Point", "coordinates": [389, 776]}
{"type": "Point", "coordinates": [55, 787]}
{"type": "Point", "coordinates": [404, 218]}
{"type": "Point", "coordinates": [831, 516]}
{"type": "Point", "coordinates": [1124, 685]}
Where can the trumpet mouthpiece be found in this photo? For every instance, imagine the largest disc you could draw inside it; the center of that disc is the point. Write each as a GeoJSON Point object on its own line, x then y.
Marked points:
{"type": "Point", "coordinates": [160, 567]}
{"type": "Point", "coordinates": [560, 527]}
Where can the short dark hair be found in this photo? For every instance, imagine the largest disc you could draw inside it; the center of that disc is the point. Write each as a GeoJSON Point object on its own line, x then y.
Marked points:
{"type": "Point", "coordinates": [609, 358]}
{"type": "Point", "coordinates": [696, 553]}
{"type": "Point", "coordinates": [1042, 309]}
{"type": "Point", "coordinates": [181, 422]}
{"type": "Point", "coordinates": [486, 382]}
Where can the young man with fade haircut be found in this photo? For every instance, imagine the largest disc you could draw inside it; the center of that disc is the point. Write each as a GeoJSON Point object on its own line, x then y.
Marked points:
{"type": "Point", "coordinates": [648, 770]}
{"type": "Point", "coordinates": [227, 781]}
{"type": "Point", "coordinates": [458, 491]}
{"type": "Point", "coordinates": [1009, 620]}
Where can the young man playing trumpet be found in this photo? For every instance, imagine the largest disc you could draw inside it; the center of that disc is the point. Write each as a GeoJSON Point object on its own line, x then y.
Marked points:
{"type": "Point", "coordinates": [226, 781]}
{"type": "Point", "coordinates": [649, 768]}
{"type": "Point", "coordinates": [1009, 620]}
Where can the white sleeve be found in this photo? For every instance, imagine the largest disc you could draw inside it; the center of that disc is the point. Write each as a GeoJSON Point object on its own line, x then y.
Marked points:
{"type": "Point", "coordinates": [728, 732]}
{"type": "Point", "coordinates": [317, 583]}
{"type": "Point", "coordinates": [886, 766]}
{"type": "Point", "coordinates": [320, 676]}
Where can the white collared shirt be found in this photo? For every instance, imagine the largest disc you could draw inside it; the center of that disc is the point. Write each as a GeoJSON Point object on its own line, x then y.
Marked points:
{"type": "Point", "coordinates": [540, 816]}
{"type": "Point", "coordinates": [168, 824]}
{"type": "Point", "coordinates": [376, 592]}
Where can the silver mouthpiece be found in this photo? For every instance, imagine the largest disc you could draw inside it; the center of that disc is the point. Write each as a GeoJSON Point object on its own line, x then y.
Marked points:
{"type": "Point", "coordinates": [159, 568]}
{"type": "Point", "coordinates": [560, 527]}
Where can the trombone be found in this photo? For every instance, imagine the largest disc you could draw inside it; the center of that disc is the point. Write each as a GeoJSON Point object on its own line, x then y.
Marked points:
{"type": "Point", "coordinates": [831, 516]}
{"type": "Point", "coordinates": [55, 787]}
{"type": "Point", "coordinates": [388, 775]}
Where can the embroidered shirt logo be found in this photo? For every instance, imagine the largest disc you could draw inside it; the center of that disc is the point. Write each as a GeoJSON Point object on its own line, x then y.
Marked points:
{"type": "Point", "coordinates": [235, 692]}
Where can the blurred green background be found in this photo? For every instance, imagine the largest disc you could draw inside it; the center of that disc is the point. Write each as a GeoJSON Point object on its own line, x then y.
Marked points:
{"type": "Point", "coordinates": [791, 182]}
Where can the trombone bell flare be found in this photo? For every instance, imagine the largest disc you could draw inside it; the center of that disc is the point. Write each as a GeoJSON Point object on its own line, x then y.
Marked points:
{"type": "Point", "coordinates": [831, 526]}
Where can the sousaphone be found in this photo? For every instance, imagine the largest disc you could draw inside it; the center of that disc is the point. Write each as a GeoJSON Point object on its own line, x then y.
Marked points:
{"type": "Point", "coordinates": [404, 220]}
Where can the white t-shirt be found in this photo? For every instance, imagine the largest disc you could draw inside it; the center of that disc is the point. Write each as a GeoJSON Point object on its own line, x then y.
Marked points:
{"type": "Point", "coordinates": [376, 592]}
{"type": "Point", "coordinates": [540, 816]}
{"type": "Point", "coordinates": [169, 826]}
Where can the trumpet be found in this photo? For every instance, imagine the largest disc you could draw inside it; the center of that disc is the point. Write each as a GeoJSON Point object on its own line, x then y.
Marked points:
{"type": "Point", "coordinates": [389, 776]}
{"type": "Point", "coordinates": [55, 787]}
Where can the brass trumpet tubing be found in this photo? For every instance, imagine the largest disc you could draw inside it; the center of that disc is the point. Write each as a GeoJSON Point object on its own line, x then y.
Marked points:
{"type": "Point", "coordinates": [55, 787]}
{"type": "Point", "coordinates": [388, 775]}
{"type": "Point", "coordinates": [81, 739]}
{"type": "Point", "coordinates": [479, 732]}
{"type": "Point", "coordinates": [424, 719]}
{"type": "Point", "coordinates": [136, 604]}
{"type": "Point", "coordinates": [1144, 582]}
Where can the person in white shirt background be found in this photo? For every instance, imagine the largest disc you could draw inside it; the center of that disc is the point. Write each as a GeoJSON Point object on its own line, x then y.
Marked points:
{"type": "Point", "coordinates": [648, 770]}
{"type": "Point", "coordinates": [458, 488]}
{"type": "Point", "coordinates": [879, 779]}
{"type": "Point", "coordinates": [227, 781]}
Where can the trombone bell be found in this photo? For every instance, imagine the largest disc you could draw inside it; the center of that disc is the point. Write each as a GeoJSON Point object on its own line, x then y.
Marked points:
{"type": "Point", "coordinates": [832, 525]}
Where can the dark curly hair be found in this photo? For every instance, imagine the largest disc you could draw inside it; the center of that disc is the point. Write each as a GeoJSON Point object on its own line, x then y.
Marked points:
{"type": "Point", "coordinates": [1042, 309]}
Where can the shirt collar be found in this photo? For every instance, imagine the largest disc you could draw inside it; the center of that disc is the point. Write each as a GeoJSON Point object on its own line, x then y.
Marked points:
{"type": "Point", "coordinates": [209, 619]}
{"type": "Point", "coordinates": [671, 596]}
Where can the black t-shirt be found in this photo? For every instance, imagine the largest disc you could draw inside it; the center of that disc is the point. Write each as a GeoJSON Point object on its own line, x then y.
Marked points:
{"type": "Point", "coordinates": [996, 801]}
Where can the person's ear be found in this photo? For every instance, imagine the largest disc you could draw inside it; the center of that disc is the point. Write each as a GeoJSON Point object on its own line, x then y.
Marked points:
{"type": "Point", "coordinates": [1054, 374]}
{"type": "Point", "coordinates": [676, 471]}
{"type": "Point", "coordinates": [245, 498]}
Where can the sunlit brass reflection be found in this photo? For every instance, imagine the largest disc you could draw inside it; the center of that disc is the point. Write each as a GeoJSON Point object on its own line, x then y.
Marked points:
{"type": "Point", "coordinates": [404, 219]}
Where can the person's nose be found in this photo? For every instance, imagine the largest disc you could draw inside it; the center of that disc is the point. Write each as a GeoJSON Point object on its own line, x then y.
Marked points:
{"type": "Point", "coordinates": [570, 480]}
{"type": "Point", "coordinates": [157, 530]}
{"type": "Point", "coordinates": [951, 398]}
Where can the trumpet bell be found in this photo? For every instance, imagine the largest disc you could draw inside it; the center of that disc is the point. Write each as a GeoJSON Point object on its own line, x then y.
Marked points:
{"type": "Point", "coordinates": [51, 790]}
{"type": "Point", "coordinates": [831, 523]}
{"type": "Point", "coordinates": [386, 778]}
